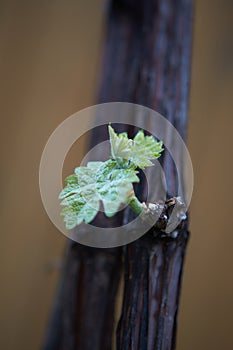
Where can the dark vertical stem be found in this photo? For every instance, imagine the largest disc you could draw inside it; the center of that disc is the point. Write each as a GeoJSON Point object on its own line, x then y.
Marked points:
{"type": "Point", "coordinates": [151, 297]}
{"type": "Point", "coordinates": [83, 314]}
{"type": "Point", "coordinates": [146, 61]}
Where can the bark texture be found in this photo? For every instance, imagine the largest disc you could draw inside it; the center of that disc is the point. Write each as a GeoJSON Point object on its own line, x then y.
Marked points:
{"type": "Point", "coordinates": [157, 61]}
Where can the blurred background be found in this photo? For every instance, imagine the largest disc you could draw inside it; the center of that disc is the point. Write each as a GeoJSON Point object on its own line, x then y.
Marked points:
{"type": "Point", "coordinates": [49, 64]}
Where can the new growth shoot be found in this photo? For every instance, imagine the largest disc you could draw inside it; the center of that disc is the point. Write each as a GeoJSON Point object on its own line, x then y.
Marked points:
{"type": "Point", "coordinates": [109, 182]}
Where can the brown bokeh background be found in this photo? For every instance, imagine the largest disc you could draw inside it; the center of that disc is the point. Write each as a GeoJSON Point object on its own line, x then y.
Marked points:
{"type": "Point", "coordinates": [49, 62]}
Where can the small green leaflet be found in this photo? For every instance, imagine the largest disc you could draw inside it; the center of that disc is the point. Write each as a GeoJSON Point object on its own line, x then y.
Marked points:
{"type": "Point", "coordinates": [138, 151]}
{"type": "Point", "coordinates": [109, 182]}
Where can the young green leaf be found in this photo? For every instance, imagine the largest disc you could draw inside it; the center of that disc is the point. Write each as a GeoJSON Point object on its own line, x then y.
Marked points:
{"type": "Point", "coordinates": [145, 148]}
{"type": "Point", "coordinates": [120, 144]}
{"type": "Point", "coordinates": [99, 181]}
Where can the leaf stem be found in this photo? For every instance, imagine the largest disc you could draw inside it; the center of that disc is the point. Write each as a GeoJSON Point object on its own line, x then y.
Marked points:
{"type": "Point", "coordinates": [135, 205]}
